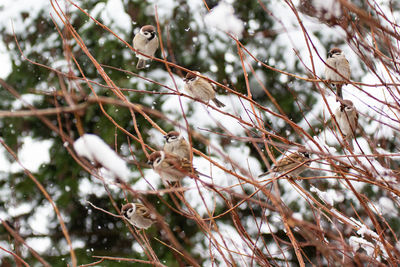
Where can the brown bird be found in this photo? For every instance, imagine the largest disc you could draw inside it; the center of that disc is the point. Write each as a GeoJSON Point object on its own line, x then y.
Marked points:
{"type": "Point", "coordinates": [170, 167]}
{"type": "Point", "coordinates": [337, 69]}
{"type": "Point", "coordinates": [176, 144]}
{"type": "Point", "coordinates": [298, 160]}
{"type": "Point", "coordinates": [146, 42]}
{"type": "Point", "coordinates": [138, 215]}
{"type": "Point", "coordinates": [347, 119]}
{"type": "Point", "coordinates": [200, 88]}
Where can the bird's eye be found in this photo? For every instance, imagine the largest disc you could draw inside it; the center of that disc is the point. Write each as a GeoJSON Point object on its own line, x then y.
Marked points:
{"type": "Point", "coordinates": [158, 160]}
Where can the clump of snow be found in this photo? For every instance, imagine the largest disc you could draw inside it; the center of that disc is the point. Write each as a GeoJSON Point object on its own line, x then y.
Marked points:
{"type": "Point", "coordinates": [223, 18]}
{"type": "Point", "coordinates": [345, 219]}
{"type": "Point", "coordinates": [329, 197]}
{"type": "Point", "coordinates": [95, 149]}
{"type": "Point", "coordinates": [367, 246]}
{"type": "Point", "coordinates": [357, 242]}
{"type": "Point", "coordinates": [365, 231]}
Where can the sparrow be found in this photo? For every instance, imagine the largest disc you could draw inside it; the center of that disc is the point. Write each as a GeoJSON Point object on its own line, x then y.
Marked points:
{"type": "Point", "coordinates": [146, 42]}
{"type": "Point", "coordinates": [291, 161]}
{"type": "Point", "coordinates": [138, 215]}
{"type": "Point", "coordinates": [176, 144]}
{"type": "Point", "coordinates": [200, 88]}
{"type": "Point", "coordinates": [170, 167]}
{"type": "Point", "coordinates": [337, 69]}
{"type": "Point", "coordinates": [346, 116]}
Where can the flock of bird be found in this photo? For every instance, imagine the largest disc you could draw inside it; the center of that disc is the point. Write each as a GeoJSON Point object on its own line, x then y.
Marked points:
{"type": "Point", "coordinates": [173, 163]}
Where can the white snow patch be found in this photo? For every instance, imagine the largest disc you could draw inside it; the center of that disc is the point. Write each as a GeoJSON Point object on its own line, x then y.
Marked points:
{"type": "Point", "coordinates": [387, 207]}
{"type": "Point", "coordinates": [5, 245]}
{"type": "Point", "coordinates": [329, 197]}
{"type": "Point", "coordinates": [40, 220]}
{"type": "Point", "coordinates": [40, 244]}
{"type": "Point", "coordinates": [19, 210]}
{"type": "Point", "coordinates": [26, 100]}
{"type": "Point", "coordinates": [4, 162]}
{"type": "Point", "coordinates": [223, 18]}
{"type": "Point", "coordinates": [32, 154]}
{"type": "Point", "coordinates": [5, 59]}
{"type": "Point", "coordinates": [115, 17]}
{"type": "Point", "coordinates": [87, 187]}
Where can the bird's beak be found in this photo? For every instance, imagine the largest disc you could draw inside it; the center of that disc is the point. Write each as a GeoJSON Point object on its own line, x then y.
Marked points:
{"type": "Point", "coordinates": [149, 163]}
{"type": "Point", "coordinates": [329, 54]}
{"type": "Point", "coordinates": [185, 80]}
{"type": "Point", "coordinates": [165, 137]}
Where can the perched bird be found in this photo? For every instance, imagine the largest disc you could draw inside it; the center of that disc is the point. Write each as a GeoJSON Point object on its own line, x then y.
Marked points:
{"type": "Point", "coordinates": [146, 42]}
{"type": "Point", "coordinates": [138, 215]}
{"type": "Point", "coordinates": [170, 167]}
{"type": "Point", "coordinates": [347, 119]}
{"type": "Point", "coordinates": [291, 161]}
{"type": "Point", "coordinates": [337, 69]}
{"type": "Point", "coordinates": [176, 144]}
{"type": "Point", "coordinates": [200, 88]}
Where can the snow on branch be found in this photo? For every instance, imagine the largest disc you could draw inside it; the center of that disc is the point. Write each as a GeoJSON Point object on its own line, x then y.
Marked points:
{"type": "Point", "coordinates": [95, 149]}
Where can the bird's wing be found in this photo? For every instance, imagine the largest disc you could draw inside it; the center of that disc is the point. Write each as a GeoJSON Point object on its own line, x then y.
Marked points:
{"type": "Point", "coordinates": [289, 162]}
{"type": "Point", "coordinates": [177, 163]}
{"type": "Point", "coordinates": [143, 211]}
{"type": "Point", "coordinates": [152, 45]}
{"type": "Point", "coordinates": [138, 41]}
{"type": "Point", "coordinates": [344, 67]}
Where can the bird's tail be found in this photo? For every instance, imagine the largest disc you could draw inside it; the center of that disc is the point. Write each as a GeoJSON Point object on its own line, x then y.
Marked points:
{"type": "Point", "coordinates": [350, 141]}
{"type": "Point", "coordinates": [339, 91]}
{"type": "Point", "coordinates": [218, 103]}
{"type": "Point", "coordinates": [141, 64]}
